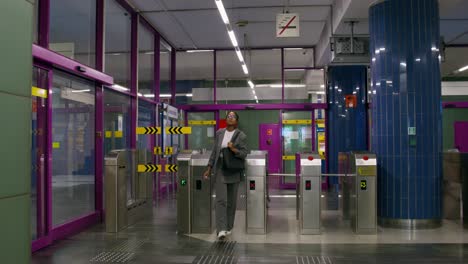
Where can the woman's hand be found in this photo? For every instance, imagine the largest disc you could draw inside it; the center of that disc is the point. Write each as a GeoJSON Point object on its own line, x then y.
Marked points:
{"type": "Point", "coordinates": [207, 173]}
{"type": "Point", "coordinates": [231, 146]}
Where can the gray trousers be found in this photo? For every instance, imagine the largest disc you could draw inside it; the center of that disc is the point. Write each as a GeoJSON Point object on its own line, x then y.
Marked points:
{"type": "Point", "coordinates": [226, 202]}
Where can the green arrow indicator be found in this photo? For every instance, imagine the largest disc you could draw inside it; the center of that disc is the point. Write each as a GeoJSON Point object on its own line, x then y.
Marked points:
{"type": "Point", "coordinates": [183, 182]}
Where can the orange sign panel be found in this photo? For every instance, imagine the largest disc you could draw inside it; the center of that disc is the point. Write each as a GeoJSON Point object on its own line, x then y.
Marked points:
{"type": "Point", "coordinates": [351, 101]}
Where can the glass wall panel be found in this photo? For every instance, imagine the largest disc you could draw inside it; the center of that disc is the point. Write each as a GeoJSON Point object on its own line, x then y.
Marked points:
{"type": "Point", "coordinates": [146, 118]}
{"type": "Point", "coordinates": [296, 138]}
{"type": "Point", "coordinates": [264, 72]}
{"type": "Point", "coordinates": [231, 83]}
{"type": "Point", "coordinates": [116, 121]}
{"type": "Point", "coordinates": [36, 21]}
{"type": "Point", "coordinates": [73, 129]}
{"type": "Point", "coordinates": [73, 29]}
{"type": "Point", "coordinates": [118, 42]}
{"type": "Point", "coordinates": [165, 71]}
{"type": "Point", "coordinates": [297, 57]}
{"type": "Point", "coordinates": [38, 152]}
{"type": "Point", "coordinates": [145, 62]}
{"type": "Point", "coordinates": [203, 136]}
{"type": "Point", "coordinates": [304, 86]}
{"type": "Point", "coordinates": [117, 125]}
{"type": "Point", "coordinates": [194, 77]}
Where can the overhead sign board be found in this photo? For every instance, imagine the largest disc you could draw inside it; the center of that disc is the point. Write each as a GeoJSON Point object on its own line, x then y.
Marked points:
{"type": "Point", "coordinates": [287, 25]}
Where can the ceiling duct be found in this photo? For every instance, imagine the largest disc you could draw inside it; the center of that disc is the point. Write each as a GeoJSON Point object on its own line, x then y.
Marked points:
{"type": "Point", "coordinates": [350, 49]}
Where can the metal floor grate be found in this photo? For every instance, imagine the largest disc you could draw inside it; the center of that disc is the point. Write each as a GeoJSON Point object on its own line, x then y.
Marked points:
{"type": "Point", "coordinates": [222, 248]}
{"type": "Point", "coordinates": [215, 260]}
{"type": "Point", "coordinates": [219, 252]}
{"type": "Point", "coordinates": [313, 260]}
{"type": "Point", "coordinates": [113, 257]}
{"type": "Point", "coordinates": [121, 253]}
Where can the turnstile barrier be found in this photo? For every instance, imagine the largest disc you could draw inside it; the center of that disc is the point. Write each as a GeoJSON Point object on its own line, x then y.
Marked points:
{"type": "Point", "coordinates": [127, 193]}
{"type": "Point", "coordinates": [256, 193]}
{"type": "Point", "coordinates": [310, 185]}
{"type": "Point", "coordinates": [201, 195]}
{"type": "Point", "coordinates": [184, 192]}
{"type": "Point", "coordinates": [361, 191]}
{"type": "Point", "coordinates": [115, 191]}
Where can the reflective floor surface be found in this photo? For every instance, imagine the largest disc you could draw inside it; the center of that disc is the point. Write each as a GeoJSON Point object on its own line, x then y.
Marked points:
{"type": "Point", "coordinates": [154, 240]}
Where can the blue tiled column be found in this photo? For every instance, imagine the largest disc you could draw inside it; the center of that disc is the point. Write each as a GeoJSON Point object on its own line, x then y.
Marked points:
{"type": "Point", "coordinates": [406, 111]}
{"type": "Point", "coordinates": [347, 126]}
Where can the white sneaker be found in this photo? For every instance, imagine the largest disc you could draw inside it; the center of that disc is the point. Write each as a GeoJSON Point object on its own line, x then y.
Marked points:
{"type": "Point", "coordinates": [228, 233]}
{"type": "Point", "coordinates": [222, 235]}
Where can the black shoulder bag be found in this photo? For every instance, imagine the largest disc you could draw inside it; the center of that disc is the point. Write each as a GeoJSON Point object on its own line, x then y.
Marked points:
{"type": "Point", "coordinates": [230, 161]}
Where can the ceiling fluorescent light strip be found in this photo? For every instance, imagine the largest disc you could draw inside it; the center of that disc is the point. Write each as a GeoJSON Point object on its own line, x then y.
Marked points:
{"type": "Point", "coordinates": [233, 38]}
{"type": "Point", "coordinates": [244, 68]}
{"type": "Point", "coordinates": [231, 34]}
{"type": "Point", "coordinates": [222, 11]}
{"type": "Point", "coordinates": [239, 55]}
{"type": "Point", "coordinates": [195, 51]}
{"type": "Point", "coordinates": [463, 69]}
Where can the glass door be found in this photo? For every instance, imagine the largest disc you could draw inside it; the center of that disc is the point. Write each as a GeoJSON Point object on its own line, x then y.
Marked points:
{"type": "Point", "coordinates": [297, 137]}
{"type": "Point", "coordinates": [38, 152]}
{"type": "Point", "coordinates": [73, 148]}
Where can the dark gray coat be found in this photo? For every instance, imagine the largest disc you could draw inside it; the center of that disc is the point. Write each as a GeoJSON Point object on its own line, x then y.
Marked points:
{"type": "Point", "coordinates": [240, 143]}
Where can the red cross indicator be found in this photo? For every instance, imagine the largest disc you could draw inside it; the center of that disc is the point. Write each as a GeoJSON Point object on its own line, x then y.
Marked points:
{"type": "Point", "coordinates": [287, 25]}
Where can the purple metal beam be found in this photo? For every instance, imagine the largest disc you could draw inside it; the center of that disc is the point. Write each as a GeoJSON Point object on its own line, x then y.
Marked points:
{"type": "Point", "coordinates": [44, 23]}
{"type": "Point", "coordinates": [217, 120]}
{"type": "Point", "coordinates": [100, 35]}
{"type": "Point", "coordinates": [157, 67]}
{"type": "Point", "coordinates": [282, 75]}
{"type": "Point", "coordinates": [134, 80]}
{"type": "Point", "coordinates": [173, 77]}
{"type": "Point", "coordinates": [455, 105]}
{"type": "Point", "coordinates": [70, 65]}
{"type": "Point", "coordinates": [206, 108]}
{"type": "Point", "coordinates": [99, 150]}
{"type": "Point", "coordinates": [75, 226]}
{"type": "Point", "coordinates": [215, 78]}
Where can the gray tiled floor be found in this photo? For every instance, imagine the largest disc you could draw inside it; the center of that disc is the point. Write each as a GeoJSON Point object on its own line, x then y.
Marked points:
{"type": "Point", "coordinates": [154, 240]}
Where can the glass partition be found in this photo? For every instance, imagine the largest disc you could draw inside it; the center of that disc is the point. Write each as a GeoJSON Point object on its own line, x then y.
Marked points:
{"type": "Point", "coordinates": [146, 118]}
{"type": "Point", "coordinates": [203, 135]}
{"type": "Point", "coordinates": [73, 29]}
{"type": "Point", "coordinates": [116, 121]}
{"type": "Point", "coordinates": [118, 42]}
{"type": "Point", "coordinates": [36, 21]}
{"type": "Point", "coordinates": [165, 72]}
{"type": "Point", "coordinates": [145, 62]}
{"type": "Point", "coordinates": [73, 130]}
{"type": "Point", "coordinates": [194, 77]}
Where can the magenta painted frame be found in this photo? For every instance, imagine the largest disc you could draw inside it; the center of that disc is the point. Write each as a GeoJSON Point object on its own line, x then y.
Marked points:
{"type": "Point", "coordinates": [69, 65]}
{"type": "Point", "coordinates": [48, 60]}
{"type": "Point", "coordinates": [455, 105]}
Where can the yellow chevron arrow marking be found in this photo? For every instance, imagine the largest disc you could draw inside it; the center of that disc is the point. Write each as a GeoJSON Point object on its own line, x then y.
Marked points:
{"type": "Point", "coordinates": [149, 168]}
{"type": "Point", "coordinates": [169, 151]}
{"type": "Point", "coordinates": [157, 151]}
{"type": "Point", "coordinates": [148, 130]}
{"type": "Point", "coordinates": [179, 130]}
{"type": "Point", "coordinates": [171, 168]}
